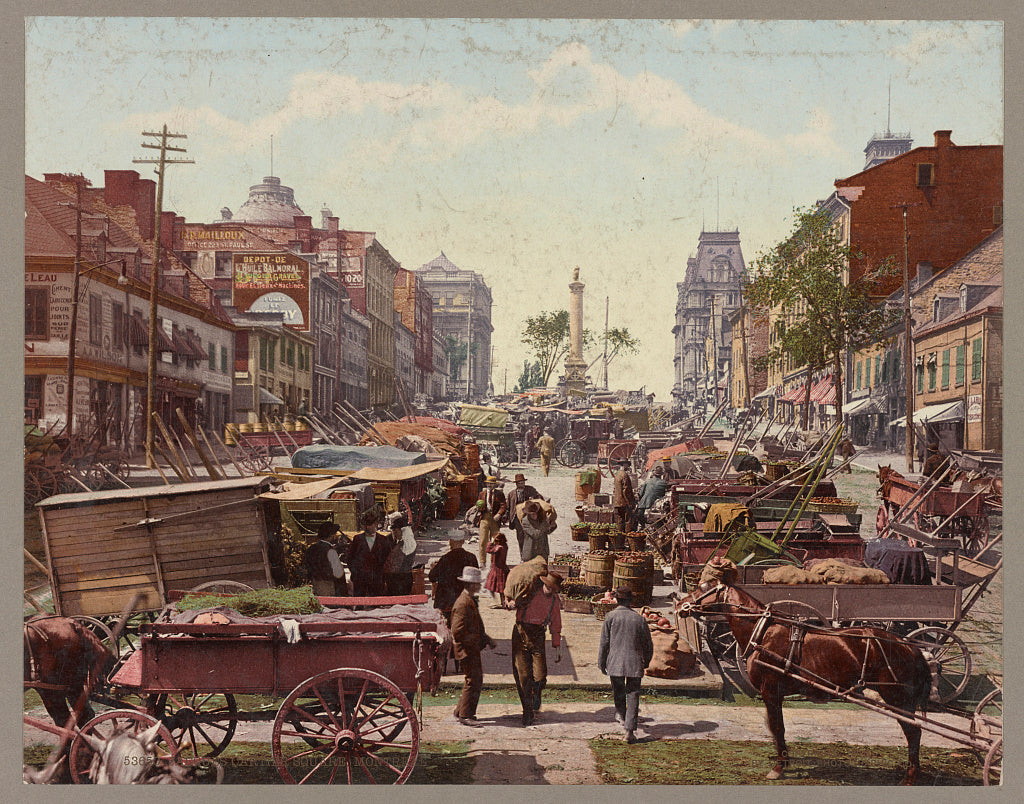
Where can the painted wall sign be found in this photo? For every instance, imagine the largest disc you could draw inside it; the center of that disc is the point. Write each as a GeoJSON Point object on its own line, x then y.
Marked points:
{"type": "Point", "coordinates": [272, 281]}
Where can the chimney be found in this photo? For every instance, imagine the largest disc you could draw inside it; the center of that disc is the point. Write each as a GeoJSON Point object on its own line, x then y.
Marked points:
{"type": "Point", "coordinates": [332, 226]}
{"type": "Point", "coordinates": [167, 229]}
{"type": "Point", "coordinates": [943, 139]}
{"type": "Point", "coordinates": [304, 231]}
{"type": "Point", "coordinates": [325, 215]}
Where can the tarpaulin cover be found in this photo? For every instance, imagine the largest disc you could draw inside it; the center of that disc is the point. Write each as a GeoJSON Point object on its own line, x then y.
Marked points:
{"type": "Point", "coordinates": [378, 474]}
{"type": "Point", "coordinates": [479, 416]}
{"type": "Point", "coordinates": [330, 456]}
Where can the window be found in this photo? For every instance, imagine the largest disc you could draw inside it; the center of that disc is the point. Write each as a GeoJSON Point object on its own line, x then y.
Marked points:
{"type": "Point", "coordinates": [919, 371]}
{"type": "Point", "coordinates": [120, 327]}
{"type": "Point", "coordinates": [263, 354]}
{"type": "Point", "coordinates": [976, 360]}
{"type": "Point", "coordinates": [933, 370]}
{"type": "Point", "coordinates": [291, 354]}
{"type": "Point", "coordinates": [95, 320]}
{"type": "Point", "coordinates": [860, 367]}
{"type": "Point", "coordinates": [213, 358]}
{"type": "Point", "coordinates": [925, 174]}
{"type": "Point", "coordinates": [885, 367]}
{"type": "Point", "coordinates": [37, 314]}
{"type": "Point", "coordinates": [223, 360]}
{"type": "Point", "coordinates": [284, 352]}
{"type": "Point", "coordinates": [878, 369]}
{"type": "Point", "coordinates": [945, 368]}
{"type": "Point", "coordinates": [961, 353]}
{"type": "Point", "coordinates": [895, 364]}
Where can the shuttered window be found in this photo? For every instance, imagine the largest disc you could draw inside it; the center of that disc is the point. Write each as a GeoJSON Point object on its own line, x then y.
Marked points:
{"type": "Point", "coordinates": [961, 353]}
{"type": "Point", "coordinates": [976, 361]}
{"type": "Point", "coordinates": [945, 368]}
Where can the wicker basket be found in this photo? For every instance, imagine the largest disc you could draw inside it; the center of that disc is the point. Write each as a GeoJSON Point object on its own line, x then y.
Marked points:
{"type": "Point", "coordinates": [601, 609]}
{"type": "Point", "coordinates": [598, 541]}
{"type": "Point", "coordinates": [579, 531]}
{"type": "Point", "coordinates": [847, 506]}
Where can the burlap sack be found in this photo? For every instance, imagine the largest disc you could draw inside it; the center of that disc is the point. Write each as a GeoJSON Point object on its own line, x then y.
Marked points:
{"type": "Point", "coordinates": [835, 571]}
{"type": "Point", "coordinates": [790, 575]}
{"type": "Point", "coordinates": [718, 570]}
{"type": "Point", "coordinates": [524, 579]}
{"type": "Point", "coordinates": [665, 662]}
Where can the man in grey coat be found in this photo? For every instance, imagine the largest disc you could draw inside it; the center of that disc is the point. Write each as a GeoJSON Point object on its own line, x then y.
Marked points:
{"type": "Point", "coordinates": [625, 651]}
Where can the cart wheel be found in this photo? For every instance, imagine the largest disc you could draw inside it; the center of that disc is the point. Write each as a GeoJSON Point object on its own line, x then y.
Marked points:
{"type": "Point", "coordinates": [975, 534]}
{"type": "Point", "coordinates": [227, 587]}
{"type": "Point", "coordinates": [106, 726]}
{"type": "Point", "coordinates": [994, 764]}
{"type": "Point", "coordinates": [571, 454]}
{"type": "Point", "coordinates": [799, 611]}
{"type": "Point", "coordinates": [745, 685]}
{"type": "Point", "coordinates": [987, 721]}
{"type": "Point", "coordinates": [949, 659]}
{"type": "Point", "coordinates": [614, 456]}
{"type": "Point", "coordinates": [102, 632]}
{"type": "Point", "coordinates": [253, 457]}
{"type": "Point", "coordinates": [202, 724]}
{"type": "Point", "coordinates": [40, 483]}
{"type": "Point", "coordinates": [506, 455]}
{"type": "Point", "coordinates": [351, 719]}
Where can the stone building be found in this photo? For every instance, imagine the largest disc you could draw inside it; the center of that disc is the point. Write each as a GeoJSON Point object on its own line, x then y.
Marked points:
{"type": "Point", "coordinates": [706, 298]}
{"type": "Point", "coordinates": [195, 336]}
{"type": "Point", "coordinates": [462, 316]}
{"type": "Point", "coordinates": [748, 343]}
{"type": "Point", "coordinates": [415, 306]}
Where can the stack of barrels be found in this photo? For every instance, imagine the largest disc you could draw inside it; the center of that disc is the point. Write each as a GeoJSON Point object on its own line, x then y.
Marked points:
{"type": "Point", "coordinates": [635, 571]}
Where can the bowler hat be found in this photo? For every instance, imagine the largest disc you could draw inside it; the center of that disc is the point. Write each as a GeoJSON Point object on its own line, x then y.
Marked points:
{"type": "Point", "coordinates": [470, 575]}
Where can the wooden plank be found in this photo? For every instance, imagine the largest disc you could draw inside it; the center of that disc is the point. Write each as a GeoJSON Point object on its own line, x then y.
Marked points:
{"type": "Point", "coordinates": [109, 583]}
{"type": "Point", "coordinates": [106, 603]}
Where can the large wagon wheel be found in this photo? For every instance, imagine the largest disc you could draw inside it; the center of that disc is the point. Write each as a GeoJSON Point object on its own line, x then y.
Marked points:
{"type": "Point", "coordinates": [949, 659]}
{"type": "Point", "coordinates": [102, 632]}
{"type": "Point", "coordinates": [40, 482]}
{"type": "Point", "coordinates": [505, 455]}
{"type": "Point", "coordinates": [994, 764]}
{"type": "Point", "coordinates": [253, 457]}
{"type": "Point", "coordinates": [202, 724]}
{"type": "Point", "coordinates": [571, 454]}
{"type": "Point", "coordinates": [106, 726]}
{"type": "Point", "coordinates": [620, 452]}
{"type": "Point", "coordinates": [351, 720]}
{"type": "Point", "coordinates": [792, 610]}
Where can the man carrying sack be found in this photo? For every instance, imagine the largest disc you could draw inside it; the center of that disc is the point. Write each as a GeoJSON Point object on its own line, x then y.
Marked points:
{"type": "Point", "coordinates": [624, 652]}
{"type": "Point", "coordinates": [529, 659]}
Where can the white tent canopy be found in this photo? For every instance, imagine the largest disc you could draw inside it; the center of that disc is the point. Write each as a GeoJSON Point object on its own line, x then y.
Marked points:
{"type": "Point", "coordinates": [943, 412]}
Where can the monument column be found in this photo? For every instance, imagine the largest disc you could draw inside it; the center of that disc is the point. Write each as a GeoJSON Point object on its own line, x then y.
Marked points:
{"type": "Point", "coordinates": [575, 365]}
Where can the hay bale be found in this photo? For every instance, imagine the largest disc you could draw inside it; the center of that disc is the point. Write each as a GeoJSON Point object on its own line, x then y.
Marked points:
{"type": "Point", "coordinates": [790, 575]}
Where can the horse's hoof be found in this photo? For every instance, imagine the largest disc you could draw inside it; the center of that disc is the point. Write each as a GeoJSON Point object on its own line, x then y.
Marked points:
{"type": "Point", "coordinates": [774, 774]}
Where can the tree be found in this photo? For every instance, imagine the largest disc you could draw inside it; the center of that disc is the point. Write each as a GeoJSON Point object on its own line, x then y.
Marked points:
{"type": "Point", "coordinates": [802, 280]}
{"type": "Point", "coordinates": [619, 341]}
{"type": "Point", "coordinates": [531, 377]}
{"type": "Point", "coordinates": [455, 351]}
{"type": "Point", "coordinates": [547, 335]}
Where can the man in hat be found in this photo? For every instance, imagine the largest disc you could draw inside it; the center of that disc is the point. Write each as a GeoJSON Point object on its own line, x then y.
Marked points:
{"type": "Point", "coordinates": [367, 556]}
{"type": "Point", "coordinates": [653, 490]}
{"type": "Point", "coordinates": [935, 464]}
{"type": "Point", "coordinates": [444, 576]}
{"type": "Point", "coordinates": [398, 569]}
{"type": "Point", "coordinates": [623, 654]}
{"type": "Point", "coordinates": [520, 494]}
{"type": "Point", "coordinates": [847, 451]}
{"type": "Point", "coordinates": [468, 639]}
{"type": "Point", "coordinates": [666, 465]}
{"type": "Point", "coordinates": [623, 497]}
{"type": "Point", "coordinates": [537, 519]}
{"type": "Point", "coordinates": [546, 448]}
{"type": "Point", "coordinates": [323, 564]}
{"type": "Point", "coordinates": [493, 499]}
{"type": "Point", "coordinates": [529, 657]}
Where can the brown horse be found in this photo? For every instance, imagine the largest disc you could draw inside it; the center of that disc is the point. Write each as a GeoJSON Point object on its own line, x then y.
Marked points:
{"type": "Point", "coordinates": [62, 660]}
{"type": "Point", "coordinates": [825, 660]}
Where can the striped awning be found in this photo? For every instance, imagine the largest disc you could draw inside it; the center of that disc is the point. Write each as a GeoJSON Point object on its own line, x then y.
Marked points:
{"type": "Point", "coordinates": [794, 395]}
{"type": "Point", "coordinates": [824, 392]}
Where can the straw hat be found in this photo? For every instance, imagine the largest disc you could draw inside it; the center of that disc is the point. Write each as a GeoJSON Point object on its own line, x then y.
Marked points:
{"type": "Point", "coordinates": [553, 580]}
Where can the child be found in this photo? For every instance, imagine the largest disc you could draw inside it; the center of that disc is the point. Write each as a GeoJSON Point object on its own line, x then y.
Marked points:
{"type": "Point", "coordinates": [496, 578]}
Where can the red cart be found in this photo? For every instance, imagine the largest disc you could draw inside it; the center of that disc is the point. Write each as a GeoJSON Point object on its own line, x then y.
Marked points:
{"type": "Point", "coordinates": [966, 511]}
{"type": "Point", "coordinates": [348, 687]}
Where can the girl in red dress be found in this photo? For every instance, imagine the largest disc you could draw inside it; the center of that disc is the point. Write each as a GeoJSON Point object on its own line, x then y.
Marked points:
{"type": "Point", "coordinates": [495, 583]}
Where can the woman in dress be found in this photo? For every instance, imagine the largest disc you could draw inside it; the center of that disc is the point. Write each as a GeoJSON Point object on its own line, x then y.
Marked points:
{"type": "Point", "coordinates": [496, 578]}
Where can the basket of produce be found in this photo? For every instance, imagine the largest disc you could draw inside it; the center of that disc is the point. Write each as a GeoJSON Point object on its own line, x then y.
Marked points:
{"type": "Point", "coordinates": [598, 540]}
{"type": "Point", "coordinates": [636, 541]}
{"type": "Point", "coordinates": [571, 562]}
{"type": "Point", "coordinates": [580, 531]}
{"type": "Point", "coordinates": [603, 604]}
{"type": "Point", "coordinates": [832, 505]}
{"type": "Point", "coordinates": [656, 620]}
{"type": "Point", "coordinates": [576, 596]}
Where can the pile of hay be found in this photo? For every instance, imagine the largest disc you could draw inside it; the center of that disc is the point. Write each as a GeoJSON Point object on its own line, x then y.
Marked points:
{"type": "Point", "coordinates": [446, 443]}
{"type": "Point", "coordinates": [258, 603]}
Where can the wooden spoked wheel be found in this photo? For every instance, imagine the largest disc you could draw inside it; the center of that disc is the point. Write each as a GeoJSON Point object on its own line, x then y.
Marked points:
{"type": "Point", "coordinates": [253, 457]}
{"type": "Point", "coordinates": [40, 482]}
{"type": "Point", "coordinates": [987, 721]}
{"type": "Point", "coordinates": [949, 659]}
{"type": "Point", "coordinates": [357, 728]}
{"type": "Point", "coordinates": [102, 632]}
{"type": "Point", "coordinates": [994, 764]}
{"type": "Point", "coordinates": [105, 726]}
{"type": "Point", "coordinates": [620, 452]}
{"type": "Point", "coordinates": [202, 724]}
{"type": "Point", "coordinates": [571, 454]}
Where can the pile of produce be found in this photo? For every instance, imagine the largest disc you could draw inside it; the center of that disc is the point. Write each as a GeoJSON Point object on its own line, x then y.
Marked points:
{"type": "Point", "coordinates": [258, 603]}
{"type": "Point", "coordinates": [606, 598]}
{"type": "Point", "coordinates": [602, 553]}
{"type": "Point", "coordinates": [567, 560]}
{"type": "Point", "coordinates": [577, 590]}
{"type": "Point", "coordinates": [830, 500]}
{"type": "Point", "coordinates": [655, 619]}
{"type": "Point", "coordinates": [632, 558]}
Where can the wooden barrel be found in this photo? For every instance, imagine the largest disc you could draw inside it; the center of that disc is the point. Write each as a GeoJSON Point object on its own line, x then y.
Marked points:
{"type": "Point", "coordinates": [584, 490]}
{"type": "Point", "coordinates": [259, 427]}
{"type": "Point", "coordinates": [454, 497]}
{"type": "Point", "coordinates": [419, 581]}
{"type": "Point", "coordinates": [635, 577]}
{"type": "Point", "coordinates": [598, 570]}
{"type": "Point", "coordinates": [580, 531]}
{"type": "Point", "coordinates": [637, 541]}
{"type": "Point", "coordinates": [469, 491]}
{"type": "Point", "coordinates": [471, 453]}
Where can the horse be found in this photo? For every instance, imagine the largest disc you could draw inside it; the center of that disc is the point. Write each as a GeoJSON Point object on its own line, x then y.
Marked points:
{"type": "Point", "coordinates": [786, 658]}
{"type": "Point", "coordinates": [63, 661]}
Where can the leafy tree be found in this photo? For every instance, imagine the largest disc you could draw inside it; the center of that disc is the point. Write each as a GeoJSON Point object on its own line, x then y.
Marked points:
{"type": "Point", "coordinates": [619, 342]}
{"type": "Point", "coordinates": [802, 281]}
{"type": "Point", "coordinates": [455, 350]}
{"type": "Point", "coordinates": [531, 377]}
{"type": "Point", "coordinates": [547, 335]}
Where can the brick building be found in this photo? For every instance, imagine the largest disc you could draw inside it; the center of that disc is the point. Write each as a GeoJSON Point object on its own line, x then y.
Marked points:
{"type": "Point", "coordinates": [749, 342]}
{"type": "Point", "coordinates": [195, 337]}
{"type": "Point", "coordinates": [953, 196]}
{"type": "Point", "coordinates": [415, 306]}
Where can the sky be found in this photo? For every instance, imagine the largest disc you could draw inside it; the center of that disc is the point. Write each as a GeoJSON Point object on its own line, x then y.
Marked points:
{"type": "Point", "coordinates": [519, 148]}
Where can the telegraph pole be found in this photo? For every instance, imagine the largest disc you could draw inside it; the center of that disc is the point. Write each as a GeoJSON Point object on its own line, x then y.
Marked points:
{"type": "Point", "coordinates": [606, 343]}
{"type": "Point", "coordinates": [908, 368]}
{"type": "Point", "coordinates": [73, 327]}
{"type": "Point", "coordinates": [154, 274]}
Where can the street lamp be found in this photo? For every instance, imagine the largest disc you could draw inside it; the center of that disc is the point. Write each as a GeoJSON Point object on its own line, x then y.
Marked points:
{"type": "Point", "coordinates": [73, 330]}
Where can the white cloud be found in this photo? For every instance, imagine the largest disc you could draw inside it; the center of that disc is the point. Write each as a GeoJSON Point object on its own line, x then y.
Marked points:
{"type": "Point", "coordinates": [941, 40]}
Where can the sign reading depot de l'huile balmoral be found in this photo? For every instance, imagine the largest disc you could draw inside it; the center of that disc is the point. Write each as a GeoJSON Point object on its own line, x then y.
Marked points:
{"type": "Point", "coordinates": [272, 282]}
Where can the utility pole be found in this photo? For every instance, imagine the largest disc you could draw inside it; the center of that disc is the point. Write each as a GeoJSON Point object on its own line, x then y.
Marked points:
{"type": "Point", "coordinates": [743, 351]}
{"type": "Point", "coordinates": [908, 369]}
{"type": "Point", "coordinates": [606, 343]}
{"type": "Point", "coordinates": [154, 275]}
{"type": "Point", "coordinates": [714, 348]}
{"type": "Point", "coordinates": [73, 328]}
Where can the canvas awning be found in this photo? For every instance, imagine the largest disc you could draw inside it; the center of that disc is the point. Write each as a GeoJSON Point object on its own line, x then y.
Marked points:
{"type": "Point", "coordinates": [267, 398]}
{"type": "Point", "coordinates": [943, 412]}
{"type": "Point", "coordinates": [480, 416]}
{"type": "Point", "coordinates": [395, 474]}
{"type": "Point", "coordinates": [766, 393]}
{"type": "Point", "coordinates": [797, 394]}
{"type": "Point", "coordinates": [860, 407]}
{"type": "Point", "coordinates": [824, 392]}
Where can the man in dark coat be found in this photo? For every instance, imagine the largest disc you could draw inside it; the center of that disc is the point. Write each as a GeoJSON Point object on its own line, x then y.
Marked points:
{"type": "Point", "coordinates": [468, 639]}
{"type": "Point", "coordinates": [444, 576]}
{"type": "Point", "coordinates": [367, 556]}
{"type": "Point", "coordinates": [323, 564]}
{"type": "Point", "coordinates": [623, 498]}
{"type": "Point", "coordinates": [625, 651]}
{"type": "Point", "coordinates": [520, 494]}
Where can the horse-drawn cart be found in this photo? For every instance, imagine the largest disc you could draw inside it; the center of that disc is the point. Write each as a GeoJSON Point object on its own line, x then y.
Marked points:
{"type": "Point", "coordinates": [345, 680]}
{"type": "Point", "coordinates": [491, 429]}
